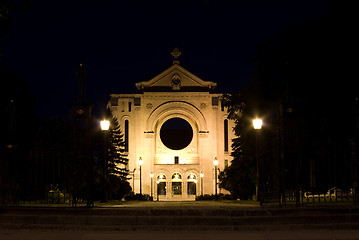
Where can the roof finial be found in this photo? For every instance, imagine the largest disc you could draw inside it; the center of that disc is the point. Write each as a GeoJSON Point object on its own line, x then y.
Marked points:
{"type": "Point", "coordinates": [176, 53]}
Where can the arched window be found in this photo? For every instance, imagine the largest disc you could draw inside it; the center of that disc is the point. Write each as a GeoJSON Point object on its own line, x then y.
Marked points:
{"type": "Point", "coordinates": [161, 177]}
{"type": "Point", "coordinates": [191, 184]}
{"type": "Point", "coordinates": [126, 135]}
{"type": "Point", "coordinates": [161, 184]}
{"type": "Point", "coordinates": [176, 184]}
{"type": "Point", "coordinates": [192, 177]}
{"type": "Point", "coordinates": [225, 135]}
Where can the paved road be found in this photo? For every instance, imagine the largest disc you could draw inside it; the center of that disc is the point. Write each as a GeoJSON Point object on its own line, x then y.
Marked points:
{"type": "Point", "coordinates": [168, 210]}
{"type": "Point", "coordinates": [181, 235]}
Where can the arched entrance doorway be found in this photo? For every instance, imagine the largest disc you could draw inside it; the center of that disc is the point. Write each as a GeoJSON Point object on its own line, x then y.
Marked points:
{"type": "Point", "coordinates": [161, 186]}
{"type": "Point", "coordinates": [176, 184]}
{"type": "Point", "coordinates": [191, 184]}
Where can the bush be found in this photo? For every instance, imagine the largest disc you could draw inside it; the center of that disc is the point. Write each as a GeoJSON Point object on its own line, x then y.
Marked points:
{"type": "Point", "coordinates": [220, 196]}
{"type": "Point", "coordinates": [227, 197]}
{"type": "Point", "coordinates": [118, 188]}
{"type": "Point", "coordinates": [138, 197]}
{"type": "Point", "coordinates": [206, 197]}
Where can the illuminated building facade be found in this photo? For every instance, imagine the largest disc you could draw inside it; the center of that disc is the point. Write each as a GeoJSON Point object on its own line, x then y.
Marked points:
{"type": "Point", "coordinates": [176, 125]}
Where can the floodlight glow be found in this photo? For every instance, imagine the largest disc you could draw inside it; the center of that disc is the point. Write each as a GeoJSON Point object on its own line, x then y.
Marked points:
{"type": "Point", "coordinates": [215, 162]}
{"type": "Point", "coordinates": [257, 123]}
{"type": "Point", "coordinates": [105, 125]}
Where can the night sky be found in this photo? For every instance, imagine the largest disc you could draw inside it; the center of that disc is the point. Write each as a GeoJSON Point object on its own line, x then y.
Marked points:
{"type": "Point", "coordinates": [124, 42]}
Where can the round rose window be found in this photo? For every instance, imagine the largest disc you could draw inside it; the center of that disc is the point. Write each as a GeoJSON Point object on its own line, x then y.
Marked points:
{"type": "Point", "coordinates": [176, 133]}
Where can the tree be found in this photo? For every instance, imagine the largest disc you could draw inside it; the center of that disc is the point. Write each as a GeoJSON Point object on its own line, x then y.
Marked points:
{"type": "Point", "coordinates": [16, 104]}
{"type": "Point", "coordinates": [239, 178]}
{"type": "Point", "coordinates": [116, 158]}
{"type": "Point", "coordinates": [114, 170]}
{"type": "Point", "coordinates": [303, 89]}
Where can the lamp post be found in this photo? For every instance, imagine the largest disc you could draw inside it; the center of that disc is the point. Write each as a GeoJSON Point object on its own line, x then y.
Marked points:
{"type": "Point", "coordinates": [151, 175]}
{"type": "Point", "coordinates": [105, 126]}
{"type": "Point", "coordinates": [158, 190]}
{"type": "Point", "coordinates": [140, 162]}
{"type": "Point", "coordinates": [201, 176]}
{"type": "Point", "coordinates": [133, 180]}
{"type": "Point", "coordinates": [215, 163]}
{"type": "Point", "coordinates": [257, 125]}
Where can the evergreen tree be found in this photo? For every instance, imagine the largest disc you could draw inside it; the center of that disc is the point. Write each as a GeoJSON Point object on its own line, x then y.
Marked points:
{"type": "Point", "coordinates": [239, 177]}
{"type": "Point", "coordinates": [116, 158]}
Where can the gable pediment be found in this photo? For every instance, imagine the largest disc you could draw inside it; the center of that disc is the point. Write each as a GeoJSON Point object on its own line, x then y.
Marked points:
{"type": "Point", "coordinates": [175, 78]}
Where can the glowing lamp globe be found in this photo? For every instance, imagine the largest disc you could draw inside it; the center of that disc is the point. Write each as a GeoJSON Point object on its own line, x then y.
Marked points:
{"type": "Point", "coordinates": [257, 123]}
{"type": "Point", "coordinates": [105, 125]}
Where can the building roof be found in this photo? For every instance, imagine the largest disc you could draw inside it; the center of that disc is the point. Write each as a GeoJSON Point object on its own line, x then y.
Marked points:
{"type": "Point", "coordinates": [176, 78]}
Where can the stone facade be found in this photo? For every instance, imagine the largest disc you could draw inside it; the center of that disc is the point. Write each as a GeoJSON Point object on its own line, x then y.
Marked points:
{"type": "Point", "coordinates": [171, 172]}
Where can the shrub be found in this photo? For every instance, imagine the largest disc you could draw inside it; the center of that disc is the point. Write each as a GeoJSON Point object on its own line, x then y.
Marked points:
{"type": "Point", "coordinates": [220, 196]}
{"type": "Point", "coordinates": [139, 197]}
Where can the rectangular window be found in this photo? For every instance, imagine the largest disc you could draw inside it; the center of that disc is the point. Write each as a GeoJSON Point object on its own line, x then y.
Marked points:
{"type": "Point", "coordinates": [226, 163]}
{"type": "Point", "coordinates": [137, 102]}
{"type": "Point", "coordinates": [114, 101]}
{"type": "Point", "coordinates": [214, 101]}
{"type": "Point", "coordinates": [126, 135]}
{"type": "Point", "coordinates": [176, 188]}
{"type": "Point", "coordinates": [161, 188]}
{"type": "Point", "coordinates": [225, 135]}
{"type": "Point", "coordinates": [176, 159]}
{"type": "Point", "coordinates": [191, 188]}
{"type": "Point", "coordinates": [129, 106]}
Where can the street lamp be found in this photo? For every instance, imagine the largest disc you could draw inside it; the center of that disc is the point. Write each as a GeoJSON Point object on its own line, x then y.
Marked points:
{"type": "Point", "coordinates": [105, 126]}
{"type": "Point", "coordinates": [140, 162]}
{"type": "Point", "coordinates": [133, 180]}
{"type": "Point", "coordinates": [158, 187]}
{"type": "Point", "coordinates": [215, 163]}
{"type": "Point", "coordinates": [257, 125]}
{"type": "Point", "coordinates": [201, 175]}
{"type": "Point", "coordinates": [151, 175]}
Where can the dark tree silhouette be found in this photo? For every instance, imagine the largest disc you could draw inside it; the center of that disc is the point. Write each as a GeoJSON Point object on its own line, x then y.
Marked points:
{"type": "Point", "coordinates": [116, 158]}
{"type": "Point", "coordinates": [303, 73]}
{"type": "Point", "coordinates": [239, 177]}
{"type": "Point", "coordinates": [17, 126]}
{"type": "Point", "coordinates": [303, 89]}
{"type": "Point", "coordinates": [113, 165]}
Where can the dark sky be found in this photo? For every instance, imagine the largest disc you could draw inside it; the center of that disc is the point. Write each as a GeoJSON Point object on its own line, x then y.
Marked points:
{"type": "Point", "coordinates": [128, 41]}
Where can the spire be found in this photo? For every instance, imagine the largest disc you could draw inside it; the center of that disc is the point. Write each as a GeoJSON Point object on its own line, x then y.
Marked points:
{"type": "Point", "coordinates": [176, 53]}
{"type": "Point", "coordinates": [81, 78]}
